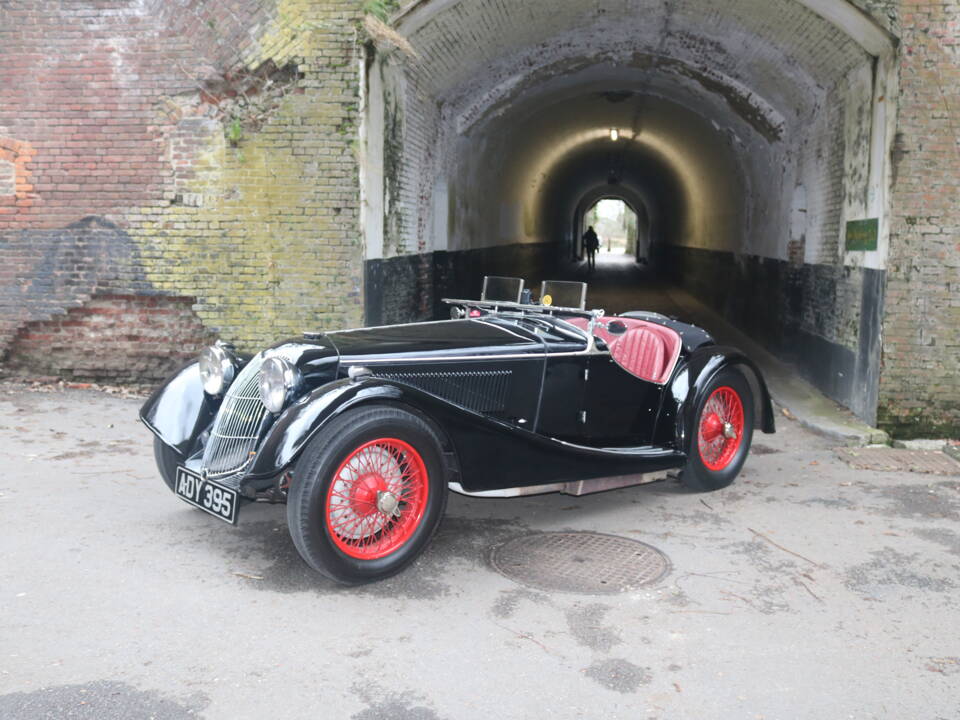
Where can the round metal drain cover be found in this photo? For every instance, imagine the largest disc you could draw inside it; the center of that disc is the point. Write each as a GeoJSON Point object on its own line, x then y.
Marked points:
{"type": "Point", "coordinates": [579, 562]}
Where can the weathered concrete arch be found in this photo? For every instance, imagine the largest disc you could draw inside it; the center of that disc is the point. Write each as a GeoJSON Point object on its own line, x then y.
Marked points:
{"type": "Point", "coordinates": [736, 121]}
{"type": "Point", "coordinates": [843, 14]}
{"type": "Point", "coordinates": [855, 23]}
{"type": "Point", "coordinates": [457, 86]}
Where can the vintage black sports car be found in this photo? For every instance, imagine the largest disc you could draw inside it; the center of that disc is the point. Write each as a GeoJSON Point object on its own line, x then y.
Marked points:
{"type": "Point", "coordinates": [361, 432]}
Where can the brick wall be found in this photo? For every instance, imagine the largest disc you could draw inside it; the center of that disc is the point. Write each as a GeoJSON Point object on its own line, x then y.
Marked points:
{"type": "Point", "coordinates": [919, 389]}
{"type": "Point", "coordinates": [16, 190]}
{"type": "Point", "coordinates": [111, 339]}
{"type": "Point", "coordinates": [179, 148]}
{"type": "Point", "coordinates": [260, 218]}
{"type": "Point", "coordinates": [87, 74]}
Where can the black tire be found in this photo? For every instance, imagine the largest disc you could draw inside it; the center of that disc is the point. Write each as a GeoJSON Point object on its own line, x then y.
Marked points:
{"type": "Point", "coordinates": [316, 500]}
{"type": "Point", "coordinates": [167, 460]}
{"type": "Point", "coordinates": [700, 473]}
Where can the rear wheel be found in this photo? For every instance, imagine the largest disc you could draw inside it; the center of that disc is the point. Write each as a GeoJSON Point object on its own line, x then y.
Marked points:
{"type": "Point", "coordinates": [722, 433]}
{"type": "Point", "coordinates": [367, 495]}
{"type": "Point", "coordinates": [167, 461]}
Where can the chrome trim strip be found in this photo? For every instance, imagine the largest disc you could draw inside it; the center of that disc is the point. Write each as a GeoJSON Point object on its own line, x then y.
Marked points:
{"type": "Point", "coordinates": [503, 329]}
{"type": "Point", "coordinates": [348, 360]}
{"type": "Point", "coordinates": [544, 309]}
{"type": "Point", "coordinates": [507, 492]}
{"type": "Point", "coordinates": [382, 327]}
{"type": "Point", "coordinates": [574, 487]}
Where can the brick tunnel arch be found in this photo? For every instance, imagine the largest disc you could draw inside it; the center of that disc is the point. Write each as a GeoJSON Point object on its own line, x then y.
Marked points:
{"type": "Point", "coordinates": [753, 132]}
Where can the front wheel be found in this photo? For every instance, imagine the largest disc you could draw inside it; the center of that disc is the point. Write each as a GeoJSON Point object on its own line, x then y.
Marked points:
{"type": "Point", "coordinates": [722, 432]}
{"type": "Point", "coordinates": [367, 494]}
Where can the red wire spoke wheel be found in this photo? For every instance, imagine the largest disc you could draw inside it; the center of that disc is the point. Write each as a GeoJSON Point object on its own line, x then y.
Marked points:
{"type": "Point", "coordinates": [721, 431]}
{"type": "Point", "coordinates": [368, 493]}
{"type": "Point", "coordinates": [377, 498]}
{"type": "Point", "coordinates": [721, 428]}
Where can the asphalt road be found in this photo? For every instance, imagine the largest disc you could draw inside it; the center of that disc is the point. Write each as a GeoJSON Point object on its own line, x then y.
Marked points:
{"type": "Point", "coordinates": [808, 589]}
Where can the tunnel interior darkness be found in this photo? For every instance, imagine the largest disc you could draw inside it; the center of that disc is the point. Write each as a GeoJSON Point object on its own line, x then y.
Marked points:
{"type": "Point", "coordinates": [747, 133]}
{"type": "Point", "coordinates": [558, 156]}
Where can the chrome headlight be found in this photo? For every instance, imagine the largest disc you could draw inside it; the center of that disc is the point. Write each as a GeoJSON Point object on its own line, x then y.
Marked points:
{"type": "Point", "coordinates": [278, 379]}
{"type": "Point", "coordinates": [217, 369]}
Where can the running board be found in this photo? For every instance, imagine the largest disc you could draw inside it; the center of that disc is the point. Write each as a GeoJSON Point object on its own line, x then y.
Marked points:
{"type": "Point", "coordinates": [579, 487]}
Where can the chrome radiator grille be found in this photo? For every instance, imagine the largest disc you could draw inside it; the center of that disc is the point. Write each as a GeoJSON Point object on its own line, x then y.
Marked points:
{"type": "Point", "coordinates": [480, 390]}
{"type": "Point", "coordinates": [235, 432]}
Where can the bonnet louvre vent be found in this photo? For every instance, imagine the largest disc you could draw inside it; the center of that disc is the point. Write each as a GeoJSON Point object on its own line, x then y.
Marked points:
{"type": "Point", "coordinates": [481, 390]}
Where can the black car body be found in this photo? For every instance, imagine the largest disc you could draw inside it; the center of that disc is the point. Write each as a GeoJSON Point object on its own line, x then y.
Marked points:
{"type": "Point", "coordinates": [517, 398]}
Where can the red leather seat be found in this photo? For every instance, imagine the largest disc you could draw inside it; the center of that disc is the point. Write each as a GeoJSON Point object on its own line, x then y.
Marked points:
{"type": "Point", "coordinates": [646, 349]}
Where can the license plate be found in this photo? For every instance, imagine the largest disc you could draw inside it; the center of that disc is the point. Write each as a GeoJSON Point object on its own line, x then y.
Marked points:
{"type": "Point", "coordinates": [212, 497]}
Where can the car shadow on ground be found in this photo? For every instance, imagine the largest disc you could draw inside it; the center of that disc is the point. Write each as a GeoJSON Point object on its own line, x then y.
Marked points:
{"type": "Point", "coordinates": [260, 552]}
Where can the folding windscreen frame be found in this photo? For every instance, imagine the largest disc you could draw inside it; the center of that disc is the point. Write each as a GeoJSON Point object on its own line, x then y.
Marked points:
{"type": "Point", "coordinates": [501, 289]}
{"type": "Point", "coordinates": [565, 293]}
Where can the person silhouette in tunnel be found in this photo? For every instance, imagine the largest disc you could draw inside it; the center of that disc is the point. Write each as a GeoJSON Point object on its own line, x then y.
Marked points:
{"type": "Point", "coordinates": [591, 243]}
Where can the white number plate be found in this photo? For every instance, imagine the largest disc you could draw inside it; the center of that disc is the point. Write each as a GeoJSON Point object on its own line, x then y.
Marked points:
{"type": "Point", "coordinates": [210, 496]}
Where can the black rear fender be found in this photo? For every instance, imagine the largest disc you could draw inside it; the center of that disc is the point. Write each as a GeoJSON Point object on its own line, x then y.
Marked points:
{"type": "Point", "coordinates": [690, 384]}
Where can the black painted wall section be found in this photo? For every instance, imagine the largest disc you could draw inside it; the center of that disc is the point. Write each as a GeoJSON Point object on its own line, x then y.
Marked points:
{"type": "Point", "coordinates": [398, 289]}
{"type": "Point", "coordinates": [44, 273]}
{"type": "Point", "coordinates": [792, 310]}
{"type": "Point", "coordinates": [870, 351]}
{"type": "Point", "coordinates": [411, 287]}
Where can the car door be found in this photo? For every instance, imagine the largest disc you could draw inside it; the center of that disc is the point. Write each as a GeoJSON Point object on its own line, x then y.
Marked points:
{"type": "Point", "coordinates": [619, 409]}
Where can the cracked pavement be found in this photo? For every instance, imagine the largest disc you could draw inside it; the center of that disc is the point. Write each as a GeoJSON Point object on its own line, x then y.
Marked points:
{"type": "Point", "coordinates": [808, 589]}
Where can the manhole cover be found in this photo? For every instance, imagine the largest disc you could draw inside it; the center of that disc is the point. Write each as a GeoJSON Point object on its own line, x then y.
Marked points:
{"type": "Point", "coordinates": [579, 562]}
{"type": "Point", "coordinates": [896, 460]}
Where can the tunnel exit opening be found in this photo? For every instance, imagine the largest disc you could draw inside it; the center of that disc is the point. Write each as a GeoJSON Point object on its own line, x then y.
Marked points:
{"type": "Point", "coordinates": [616, 225]}
{"type": "Point", "coordinates": [747, 136]}
{"type": "Point", "coordinates": [622, 229]}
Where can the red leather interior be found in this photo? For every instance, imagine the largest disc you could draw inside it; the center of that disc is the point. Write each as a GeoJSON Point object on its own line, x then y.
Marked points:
{"type": "Point", "coordinates": [646, 349]}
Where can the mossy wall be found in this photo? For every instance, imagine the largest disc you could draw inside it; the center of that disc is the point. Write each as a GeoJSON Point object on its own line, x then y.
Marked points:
{"type": "Point", "coordinates": [218, 144]}
{"type": "Point", "coordinates": [259, 219]}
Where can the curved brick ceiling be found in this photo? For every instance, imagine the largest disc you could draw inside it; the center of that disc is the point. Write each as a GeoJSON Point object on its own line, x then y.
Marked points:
{"type": "Point", "coordinates": [774, 54]}
{"type": "Point", "coordinates": [740, 102]}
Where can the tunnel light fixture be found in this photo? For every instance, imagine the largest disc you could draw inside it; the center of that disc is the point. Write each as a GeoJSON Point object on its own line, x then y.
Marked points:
{"type": "Point", "coordinates": [614, 134]}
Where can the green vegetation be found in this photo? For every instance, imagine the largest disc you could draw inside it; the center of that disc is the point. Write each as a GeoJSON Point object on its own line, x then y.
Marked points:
{"type": "Point", "coordinates": [380, 9]}
{"type": "Point", "coordinates": [234, 131]}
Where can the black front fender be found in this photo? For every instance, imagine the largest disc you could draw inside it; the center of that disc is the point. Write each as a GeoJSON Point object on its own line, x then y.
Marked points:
{"type": "Point", "coordinates": [179, 410]}
{"type": "Point", "coordinates": [691, 382]}
{"type": "Point", "coordinates": [301, 421]}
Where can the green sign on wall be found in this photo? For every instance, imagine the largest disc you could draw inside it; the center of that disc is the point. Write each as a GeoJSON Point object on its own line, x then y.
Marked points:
{"type": "Point", "coordinates": [862, 234]}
